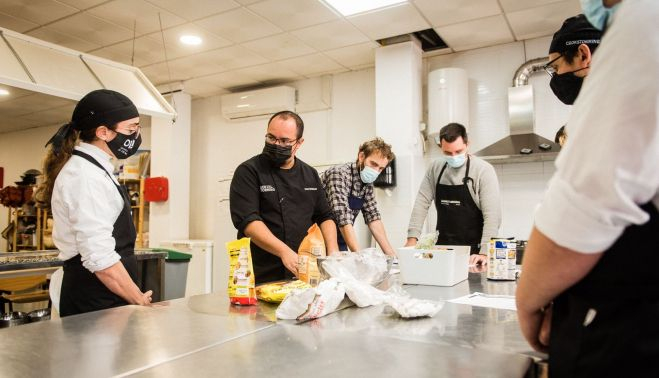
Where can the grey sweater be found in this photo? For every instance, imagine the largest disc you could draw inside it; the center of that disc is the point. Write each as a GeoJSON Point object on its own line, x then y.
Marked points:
{"type": "Point", "coordinates": [485, 193]}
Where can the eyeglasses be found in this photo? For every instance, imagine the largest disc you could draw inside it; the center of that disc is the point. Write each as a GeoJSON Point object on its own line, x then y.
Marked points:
{"type": "Point", "coordinates": [549, 69]}
{"type": "Point", "coordinates": [281, 141]}
{"type": "Point", "coordinates": [131, 130]}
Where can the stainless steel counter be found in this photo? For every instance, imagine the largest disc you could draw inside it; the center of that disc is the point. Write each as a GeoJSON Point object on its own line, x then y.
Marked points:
{"type": "Point", "coordinates": [206, 336]}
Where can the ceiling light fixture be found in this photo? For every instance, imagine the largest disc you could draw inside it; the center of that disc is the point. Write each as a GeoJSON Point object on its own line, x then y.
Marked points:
{"type": "Point", "coordinates": [351, 7]}
{"type": "Point", "coordinates": [192, 40]}
{"type": "Point", "coordinates": [4, 92]}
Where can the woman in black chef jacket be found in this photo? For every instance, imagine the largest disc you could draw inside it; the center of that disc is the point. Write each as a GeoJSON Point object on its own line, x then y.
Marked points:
{"type": "Point", "coordinates": [93, 226]}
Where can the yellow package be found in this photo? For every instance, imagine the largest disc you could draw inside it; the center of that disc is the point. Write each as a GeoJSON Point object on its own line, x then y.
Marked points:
{"type": "Point", "coordinates": [241, 273]}
{"type": "Point", "coordinates": [276, 292]}
{"type": "Point", "coordinates": [312, 247]}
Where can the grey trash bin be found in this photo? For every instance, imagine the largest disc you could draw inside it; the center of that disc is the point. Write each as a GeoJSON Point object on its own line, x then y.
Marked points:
{"type": "Point", "coordinates": [176, 273]}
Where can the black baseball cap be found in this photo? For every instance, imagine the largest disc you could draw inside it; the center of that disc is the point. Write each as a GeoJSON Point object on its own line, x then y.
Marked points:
{"type": "Point", "coordinates": [102, 107]}
{"type": "Point", "coordinates": [574, 32]}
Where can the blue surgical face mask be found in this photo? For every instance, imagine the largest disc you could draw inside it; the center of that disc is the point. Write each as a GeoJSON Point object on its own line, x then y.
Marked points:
{"type": "Point", "coordinates": [597, 14]}
{"type": "Point", "coordinates": [456, 161]}
{"type": "Point", "coordinates": [368, 175]}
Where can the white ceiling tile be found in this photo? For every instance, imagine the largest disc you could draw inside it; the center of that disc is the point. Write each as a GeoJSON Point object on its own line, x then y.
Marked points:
{"type": "Point", "coordinates": [15, 124]}
{"type": "Point", "coordinates": [230, 79]}
{"type": "Point", "coordinates": [248, 2]}
{"type": "Point", "coordinates": [158, 74]}
{"type": "Point", "coordinates": [59, 115]}
{"type": "Point", "coordinates": [331, 35]}
{"type": "Point", "coordinates": [356, 56]}
{"type": "Point", "coordinates": [269, 72]}
{"type": "Point", "coordinates": [138, 14]}
{"type": "Point", "coordinates": [280, 46]}
{"type": "Point", "coordinates": [390, 22]}
{"type": "Point", "coordinates": [148, 50]}
{"type": "Point", "coordinates": [92, 29]}
{"type": "Point", "coordinates": [516, 5]}
{"type": "Point", "coordinates": [447, 12]}
{"type": "Point", "coordinates": [37, 11]}
{"type": "Point", "coordinates": [61, 39]}
{"type": "Point", "coordinates": [233, 57]}
{"type": "Point", "coordinates": [197, 9]}
{"type": "Point", "coordinates": [16, 24]}
{"type": "Point", "coordinates": [474, 34]}
{"type": "Point", "coordinates": [540, 21]}
{"type": "Point", "coordinates": [176, 49]}
{"type": "Point", "coordinates": [82, 4]}
{"type": "Point", "coordinates": [202, 88]}
{"type": "Point", "coordinates": [239, 25]}
{"type": "Point", "coordinates": [312, 65]}
{"type": "Point", "coordinates": [194, 66]}
{"type": "Point", "coordinates": [294, 14]}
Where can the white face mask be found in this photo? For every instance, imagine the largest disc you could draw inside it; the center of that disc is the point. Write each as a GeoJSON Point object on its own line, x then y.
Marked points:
{"type": "Point", "coordinates": [456, 161]}
{"type": "Point", "coordinates": [597, 14]}
{"type": "Point", "coordinates": [368, 175]}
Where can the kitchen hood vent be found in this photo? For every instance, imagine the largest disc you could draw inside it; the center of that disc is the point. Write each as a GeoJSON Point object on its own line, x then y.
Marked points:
{"type": "Point", "coordinates": [30, 65]}
{"type": "Point", "coordinates": [429, 39]}
{"type": "Point", "coordinates": [522, 145]}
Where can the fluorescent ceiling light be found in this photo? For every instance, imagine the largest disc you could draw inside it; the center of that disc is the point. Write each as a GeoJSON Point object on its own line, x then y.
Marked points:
{"type": "Point", "coordinates": [350, 7]}
{"type": "Point", "coordinates": [4, 92]}
{"type": "Point", "coordinates": [190, 40]}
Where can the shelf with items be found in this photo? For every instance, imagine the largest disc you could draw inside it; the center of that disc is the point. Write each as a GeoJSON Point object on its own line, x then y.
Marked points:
{"type": "Point", "coordinates": [139, 210]}
{"type": "Point", "coordinates": [24, 229]}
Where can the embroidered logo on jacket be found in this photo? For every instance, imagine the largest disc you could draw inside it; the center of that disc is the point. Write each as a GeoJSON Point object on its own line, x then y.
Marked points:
{"type": "Point", "coordinates": [267, 188]}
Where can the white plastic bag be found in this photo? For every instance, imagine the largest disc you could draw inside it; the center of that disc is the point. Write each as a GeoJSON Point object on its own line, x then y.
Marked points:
{"type": "Point", "coordinates": [408, 307]}
{"type": "Point", "coordinates": [312, 303]}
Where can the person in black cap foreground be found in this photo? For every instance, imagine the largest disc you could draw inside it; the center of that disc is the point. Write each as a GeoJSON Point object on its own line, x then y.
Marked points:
{"type": "Point", "coordinates": [589, 289]}
{"type": "Point", "coordinates": [570, 54]}
{"type": "Point", "coordinates": [93, 226]}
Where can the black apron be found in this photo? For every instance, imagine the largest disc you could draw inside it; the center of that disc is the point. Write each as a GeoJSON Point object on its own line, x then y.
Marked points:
{"type": "Point", "coordinates": [459, 220]}
{"type": "Point", "coordinates": [81, 290]}
{"type": "Point", "coordinates": [607, 325]}
{"type": "Point", "coordinates": [354, 203]}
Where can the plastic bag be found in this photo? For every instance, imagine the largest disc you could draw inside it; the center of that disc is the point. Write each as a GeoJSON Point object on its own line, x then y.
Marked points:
{"type": "Point", "coordinates": [312, 247]}
{"type": "Point", "coordinates": [427, 241]}
{"type": "Point", "coordinates": [408, 307]}
{"type": "Point", "coordinates": [241, 273]}
{"type": "Point", "coordinates": [312, 303]}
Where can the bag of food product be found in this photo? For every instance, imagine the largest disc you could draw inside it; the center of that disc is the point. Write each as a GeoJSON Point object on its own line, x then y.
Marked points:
{"type": "Point", "coordinates": [241, 273]}
{"type": "Point", "coordinates": [275, 292]}
{"type": "Point", "coordinates": [312, 247]}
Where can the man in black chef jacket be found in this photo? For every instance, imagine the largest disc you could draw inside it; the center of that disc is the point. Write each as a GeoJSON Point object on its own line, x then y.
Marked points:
{"type": "Point", "coordinates": [276, 197]}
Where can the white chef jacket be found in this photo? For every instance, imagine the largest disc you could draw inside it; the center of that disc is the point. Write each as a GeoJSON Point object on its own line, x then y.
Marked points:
{"type": "Point", "coordinates": [85, 204]}
{"type": "Point", "coordinates": [610, 164]}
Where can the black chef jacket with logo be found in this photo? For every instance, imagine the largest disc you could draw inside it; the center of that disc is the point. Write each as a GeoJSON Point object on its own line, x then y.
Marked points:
{"type": "Point", "coordinates": [288, 201]}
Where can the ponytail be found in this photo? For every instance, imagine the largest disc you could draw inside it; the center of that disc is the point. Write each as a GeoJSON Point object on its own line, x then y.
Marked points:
{"type": "Point", "coordinates": [61, 149]}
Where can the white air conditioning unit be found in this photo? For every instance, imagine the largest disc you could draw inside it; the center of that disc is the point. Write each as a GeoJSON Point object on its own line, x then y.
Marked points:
{"type": "Point", "coordinates": [260, 102]}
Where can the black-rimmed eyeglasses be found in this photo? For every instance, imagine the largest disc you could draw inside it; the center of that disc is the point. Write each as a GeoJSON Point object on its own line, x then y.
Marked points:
{"type": "Point", "coordinates": [281, 141]}
{"type": "Point", "coordinates": [549, 69]}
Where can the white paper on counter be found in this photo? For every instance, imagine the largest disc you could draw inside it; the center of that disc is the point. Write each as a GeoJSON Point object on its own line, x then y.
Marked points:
{"type": "Point", "coordinates": [504, 302]}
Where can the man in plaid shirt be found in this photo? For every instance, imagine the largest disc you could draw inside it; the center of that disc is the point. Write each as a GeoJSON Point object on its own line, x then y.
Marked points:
{"type": "Point", "coordinates": [349, 189]}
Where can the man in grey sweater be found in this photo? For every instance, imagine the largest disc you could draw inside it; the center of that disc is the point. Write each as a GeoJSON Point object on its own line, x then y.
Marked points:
{"type": "Point", "coordinates": [465, 190]}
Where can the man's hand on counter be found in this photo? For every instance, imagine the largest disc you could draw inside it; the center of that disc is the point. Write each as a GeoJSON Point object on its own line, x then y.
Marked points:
{"type": "Point", "coordinates": [478, 260]}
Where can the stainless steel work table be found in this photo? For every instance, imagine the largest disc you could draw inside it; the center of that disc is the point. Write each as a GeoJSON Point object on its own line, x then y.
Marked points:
{"type": "Point", "coordinates": [205, 336]}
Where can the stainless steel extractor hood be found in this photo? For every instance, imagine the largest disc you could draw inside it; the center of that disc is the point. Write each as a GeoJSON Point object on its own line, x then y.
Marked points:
{"type": "Point", "coordinates": [45, 81]}
{"type": "Point", "coordinates": [522, 145]}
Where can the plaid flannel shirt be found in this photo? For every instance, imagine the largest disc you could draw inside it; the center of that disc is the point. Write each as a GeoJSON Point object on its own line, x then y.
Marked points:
{"type": "Point", "coordinates": [338, 182]}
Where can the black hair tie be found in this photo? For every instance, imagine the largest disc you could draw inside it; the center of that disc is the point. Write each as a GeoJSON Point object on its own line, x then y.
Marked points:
{"type": "Point", "coordinates": [60, 136]}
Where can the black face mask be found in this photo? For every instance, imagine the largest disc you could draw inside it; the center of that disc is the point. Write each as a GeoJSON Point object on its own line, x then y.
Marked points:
{"type": "Point", "coordinates": [566, 86]}
{"type": "Point", "coordinates": [124, 146]}
{"type": "Point", "coordinates": [276, 154]}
